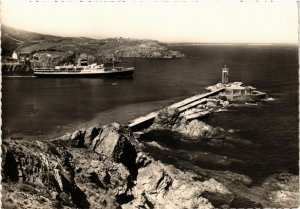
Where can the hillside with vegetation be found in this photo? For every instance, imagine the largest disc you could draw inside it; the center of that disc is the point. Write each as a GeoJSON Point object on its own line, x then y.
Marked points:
{"type": "Point", "coordinates": [48, 50]}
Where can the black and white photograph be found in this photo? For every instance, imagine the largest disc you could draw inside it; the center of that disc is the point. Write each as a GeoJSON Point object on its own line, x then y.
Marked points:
{"type": "Point", "coordinates": [159, 104]}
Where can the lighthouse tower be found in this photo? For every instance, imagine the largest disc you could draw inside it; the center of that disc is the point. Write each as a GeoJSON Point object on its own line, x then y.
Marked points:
{"type": "Point", "coordinates": [225, 71]}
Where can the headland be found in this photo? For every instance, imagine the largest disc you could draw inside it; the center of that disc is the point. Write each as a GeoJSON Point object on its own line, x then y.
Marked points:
{"type": "Point", "coordinates": [24, 50]}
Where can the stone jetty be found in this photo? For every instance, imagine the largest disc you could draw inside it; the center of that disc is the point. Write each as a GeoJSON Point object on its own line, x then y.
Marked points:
{"type": "Point", "coordinates": [198, 106]}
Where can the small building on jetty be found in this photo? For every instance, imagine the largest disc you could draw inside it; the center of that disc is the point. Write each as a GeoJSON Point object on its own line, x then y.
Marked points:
{"type": "Point", "coordinates": [236, 89]}
{"type": "Point", "coordinates": [233, 90]}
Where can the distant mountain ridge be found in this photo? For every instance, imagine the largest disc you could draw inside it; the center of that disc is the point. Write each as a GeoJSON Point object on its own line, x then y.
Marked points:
{"type": "Point", "coordinates": [50, 50]}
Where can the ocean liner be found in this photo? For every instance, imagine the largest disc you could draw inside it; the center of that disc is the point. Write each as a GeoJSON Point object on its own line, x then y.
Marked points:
{"type": "Point", "coordinates": [93, 70]}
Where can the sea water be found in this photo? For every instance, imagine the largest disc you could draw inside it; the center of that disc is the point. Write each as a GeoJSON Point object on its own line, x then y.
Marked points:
{"type": "Point", "coordinates": [48, 107]}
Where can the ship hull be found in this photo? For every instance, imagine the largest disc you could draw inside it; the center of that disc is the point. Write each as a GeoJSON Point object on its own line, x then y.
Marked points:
{"type": "Point", "coordinates": [127, 73]}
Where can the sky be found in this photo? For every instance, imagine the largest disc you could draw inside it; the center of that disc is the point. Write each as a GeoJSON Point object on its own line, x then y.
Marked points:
{"type": "Point", "coordinates": [190, 21]}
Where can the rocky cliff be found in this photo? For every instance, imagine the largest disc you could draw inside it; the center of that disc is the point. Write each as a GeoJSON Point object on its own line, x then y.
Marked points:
{"type": "Point", "coordinates": [106, 167]}
{"type": "Point", "coordinates": [98, 168]}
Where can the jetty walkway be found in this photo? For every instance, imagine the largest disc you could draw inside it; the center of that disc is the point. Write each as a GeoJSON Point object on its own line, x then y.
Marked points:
{"type": "Point", "coordinates": [181, 105]}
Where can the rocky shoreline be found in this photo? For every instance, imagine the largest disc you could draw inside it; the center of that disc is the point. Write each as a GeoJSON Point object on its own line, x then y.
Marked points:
{"type": "Point", "coordinates": [110, 167]}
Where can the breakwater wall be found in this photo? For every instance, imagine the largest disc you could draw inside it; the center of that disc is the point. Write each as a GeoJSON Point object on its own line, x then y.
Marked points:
{"type": "Point", "coordinates": [183, 105]}
{"type": "Point", "coordinates": [201, 105]}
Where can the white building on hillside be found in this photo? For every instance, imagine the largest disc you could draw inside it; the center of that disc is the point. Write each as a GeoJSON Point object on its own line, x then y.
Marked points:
{"type": "Point", "coordinates": [14, 55]}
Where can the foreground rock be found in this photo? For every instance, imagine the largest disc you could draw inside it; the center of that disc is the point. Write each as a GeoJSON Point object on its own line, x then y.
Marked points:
{"type": "Point", "coordinates": [195, 130]}
{"type": "Point", "coordinates": [282, 189]}
{"type": "Point", "coordinates": [163, 186]}
{"type": "Point", "coordinates": [277, 191]}
{"type": "Point", "coordinates": [105, 167]}
{"type": "Point", "coordinates": [98, 168]}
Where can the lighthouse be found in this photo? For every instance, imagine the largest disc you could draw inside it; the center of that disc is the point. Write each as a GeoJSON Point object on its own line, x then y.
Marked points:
{"type": "Point", "coordinates": [225, 71]}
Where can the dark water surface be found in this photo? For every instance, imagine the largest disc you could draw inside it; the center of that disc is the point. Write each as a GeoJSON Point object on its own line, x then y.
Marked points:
{"type": "Point", "coordinates": [272, 125]}
{"type": "Point", "coordinates": [47, 106]}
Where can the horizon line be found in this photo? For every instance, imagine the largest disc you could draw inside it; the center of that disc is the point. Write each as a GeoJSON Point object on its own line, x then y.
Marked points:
{"type": "Point", "coordinates": [235, 43]}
